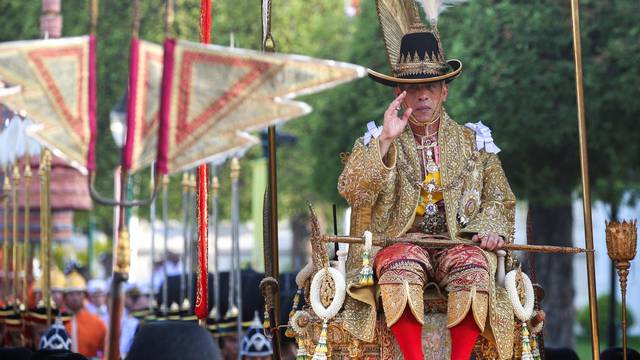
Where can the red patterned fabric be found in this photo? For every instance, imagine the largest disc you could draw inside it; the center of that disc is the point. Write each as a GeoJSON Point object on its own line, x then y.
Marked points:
{"type": "Point", "coordinates": [401, 252]}
{"type": "Point", "coordinates": [461, 267]}
{"type": "Point", "coordinates": [463, 338]}
{"type": "Point", "coordinates": [408, 333]}
{"type": "Point", "coordinates": [455, 269]}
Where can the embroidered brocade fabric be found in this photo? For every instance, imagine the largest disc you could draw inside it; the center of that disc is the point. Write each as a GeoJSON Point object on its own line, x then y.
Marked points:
{"type": "Point", "coordinates": [403, 269]}
{"type": "Point", "coordinates": [477, 199]}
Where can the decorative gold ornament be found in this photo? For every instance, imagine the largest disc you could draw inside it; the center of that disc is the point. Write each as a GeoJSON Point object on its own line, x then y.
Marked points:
{"type": "Point", "coordinates": [366, 274]}
{"type": "Point", "coordinates": [622, 240]}
{"type": "Point", "coordinates": [123, 252]}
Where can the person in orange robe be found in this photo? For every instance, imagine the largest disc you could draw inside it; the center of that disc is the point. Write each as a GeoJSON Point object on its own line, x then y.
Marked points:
{"type": "Point", "coordinates": [88, 332]}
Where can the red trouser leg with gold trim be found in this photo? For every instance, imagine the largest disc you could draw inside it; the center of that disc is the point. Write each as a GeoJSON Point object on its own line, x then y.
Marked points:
{"type": "Point", "coordinates": [463, 271]}
{"type": "Point", "coordinates": [402, 272]}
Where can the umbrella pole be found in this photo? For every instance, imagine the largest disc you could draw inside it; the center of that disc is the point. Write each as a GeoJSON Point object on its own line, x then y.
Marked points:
{"type": "Point", "coordinates": [216, 276]}
{"type": "Point", "coordinates": [120, 272]}
{"type": "Point", "coordinates": [14, 248]}
{"type": "Point", "coordinates": [165, 220]}
{"type": "Point", "coordinates": [26, 233]}
{"type": "Point", "coordinates": [5, 240]}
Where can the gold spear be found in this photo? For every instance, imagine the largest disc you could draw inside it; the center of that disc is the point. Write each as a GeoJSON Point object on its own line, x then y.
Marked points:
{"type": "Point", "coordinates": [5, 244]}
{"type": "Point", "coordinates": [14, 256]}
{"type": "Point", "coordinates": [45, 245]}
{"type": "Point", "coordinates": [26, 234]}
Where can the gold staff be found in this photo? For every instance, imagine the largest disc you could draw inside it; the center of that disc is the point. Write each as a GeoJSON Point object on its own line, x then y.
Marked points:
{"type": "Point", "coordinates": [45, 229]}
{"type": "Point", "coordinates": [26, 234]}
{"type": "Point", "coordinates": [584, 167]}
{"type": "Point", "coordinates": [215, 187]}
{"type": "Point", "coordinates": [5, 244]}
{"type": "Point", "coordinates": [185, 235]}
{"type": "Point", "coordinates": [165, 233]}
{"type": "Point", "coordinates": [191, 224]}
{"type": "Point", "coordinates": [235, 241]}
{"type": "Point", "coordinates": [14, 256]}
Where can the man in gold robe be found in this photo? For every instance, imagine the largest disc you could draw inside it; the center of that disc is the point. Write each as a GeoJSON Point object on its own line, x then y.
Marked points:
{"type": "Point", "coordinates": [421, 172]}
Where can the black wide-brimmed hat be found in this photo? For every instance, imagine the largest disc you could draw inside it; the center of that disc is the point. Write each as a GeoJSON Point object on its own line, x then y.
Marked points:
{"type": "Point", "coordinates": [415, 54]}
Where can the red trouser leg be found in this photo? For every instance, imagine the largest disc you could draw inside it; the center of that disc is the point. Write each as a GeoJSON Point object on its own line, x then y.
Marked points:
{"type": "Point", "coordinates": [408, 333]}
{"type": "Point", "coordinates": [463, 338]}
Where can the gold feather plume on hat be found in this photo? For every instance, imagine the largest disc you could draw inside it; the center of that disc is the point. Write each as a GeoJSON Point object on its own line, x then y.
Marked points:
{"type": "Point", "coordinates": [397, 16]}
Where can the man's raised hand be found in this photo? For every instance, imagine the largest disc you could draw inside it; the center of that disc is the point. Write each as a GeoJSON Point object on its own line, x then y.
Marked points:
{"type": "Point", "coordinates": [393, 124]}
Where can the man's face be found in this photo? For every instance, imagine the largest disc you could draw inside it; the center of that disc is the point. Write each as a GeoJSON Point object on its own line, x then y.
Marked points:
{"type": "Point", "coordinates": [58, 299]}
{"type": "Point", "coordinates": [424, 98]}
{"type": "Point", "coordinates": [230, 347]}
{"type": "Point", "coordinates": [74, 300]}
{"type": "Point", "coordinates": [98, 298]}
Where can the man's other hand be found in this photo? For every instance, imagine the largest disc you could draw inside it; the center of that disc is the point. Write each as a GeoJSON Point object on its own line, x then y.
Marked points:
{"type": "Point", "coordinates": [489, 241]}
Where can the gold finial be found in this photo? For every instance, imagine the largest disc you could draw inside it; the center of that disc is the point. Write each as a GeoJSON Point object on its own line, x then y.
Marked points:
{"type": "Point", "coordinates": [186, 305]}
{"type": "Point", "coordinates": [165, 180]}
{"type": "Point", "coordinates": [7, 184]}
{"type": "Point", "coordinates": [174, 307]}
{"type": "Point", "coordinates": [235, 169]}
{"type": "Point", "coordinates": [622, 240]}
{"type": "Point", "coordinates": [232, 312]}
{"type": "Point", "coordinates": [269, 44]}
{"type": "Point", "coordinates": [185, 181]}
{"type": "Point", "coordinates": [192, 181]}
{"type": "Point", "coordinates": [215, 185]}
{"type": "Point", "coordinates": [123, 252]}
{"type": "Point", "coordinates": [213, 314]}
{"type": "Point", "coordinates": [27, 169]}
{"type": "Point", "coordinates": [16, 172]}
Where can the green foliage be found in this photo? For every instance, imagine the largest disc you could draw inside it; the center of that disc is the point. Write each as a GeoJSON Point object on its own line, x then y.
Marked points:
{"type": "Point", "coordinates": [20, 20]}
{"type": "Point", "coordinates": [611, 83]}
{"type": "Point", "coordinates": [519, 79]}
{"type": "Point", "coordinates": [584, 321]}
{"type": "Point", "coordinates": [343, 116]}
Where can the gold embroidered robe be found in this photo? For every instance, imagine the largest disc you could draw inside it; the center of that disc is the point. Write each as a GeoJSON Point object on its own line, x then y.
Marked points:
{"type": "Point", "coordinates": [383, 198]}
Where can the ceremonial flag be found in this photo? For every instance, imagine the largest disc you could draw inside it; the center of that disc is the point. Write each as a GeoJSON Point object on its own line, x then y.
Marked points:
{"type": "Point", "coordinates": [57, 89]}
{"type": "Point", "coordinates": [212, 95]}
